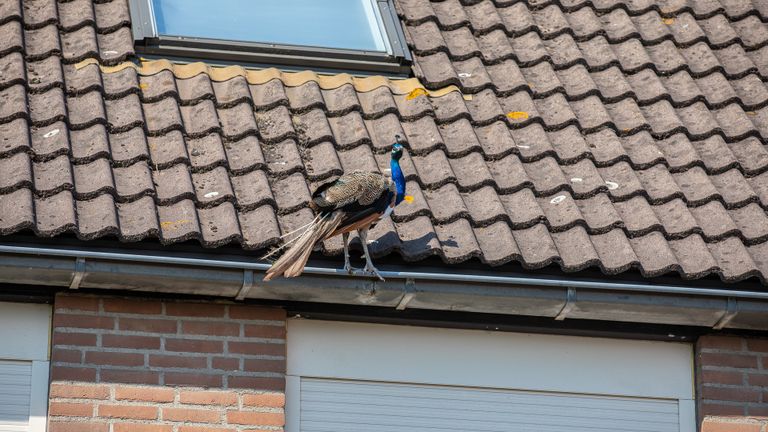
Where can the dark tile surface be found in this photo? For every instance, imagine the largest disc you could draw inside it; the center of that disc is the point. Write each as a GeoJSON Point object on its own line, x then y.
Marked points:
{"type": "Point", "coordinates": [609, 134]}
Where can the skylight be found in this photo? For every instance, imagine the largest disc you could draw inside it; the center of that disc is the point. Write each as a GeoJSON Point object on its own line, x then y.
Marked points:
{"type": "Point", "coordinates": [345, 34]}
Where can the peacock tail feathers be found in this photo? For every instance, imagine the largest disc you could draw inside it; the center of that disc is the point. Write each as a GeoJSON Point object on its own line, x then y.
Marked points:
{"type": "Point", "coordinates": [292, 262]}
{"type": "Point", "coordinates": [300, 231]}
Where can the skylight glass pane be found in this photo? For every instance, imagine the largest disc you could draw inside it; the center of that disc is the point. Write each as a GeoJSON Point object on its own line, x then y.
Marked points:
{"type": "Point", "coordinates": [346, 24]}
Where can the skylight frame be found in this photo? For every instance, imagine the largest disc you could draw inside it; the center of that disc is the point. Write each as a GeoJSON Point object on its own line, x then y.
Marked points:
{"type": "Point", "coordinates": [395, 61]}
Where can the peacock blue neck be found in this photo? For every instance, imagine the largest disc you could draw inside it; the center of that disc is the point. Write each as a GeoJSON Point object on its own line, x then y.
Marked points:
{"type": "Point", "coordinates": [399, 179]}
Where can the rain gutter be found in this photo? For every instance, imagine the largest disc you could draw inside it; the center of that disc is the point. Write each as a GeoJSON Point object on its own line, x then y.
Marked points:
{"type": "Point", "coordinates": [558, 298]}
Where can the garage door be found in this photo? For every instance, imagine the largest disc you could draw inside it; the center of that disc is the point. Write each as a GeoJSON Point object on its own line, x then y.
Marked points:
{"type": "Point", "coordinates": [24, 365]}
{"type": "Point", "coordinates": [380, 378]}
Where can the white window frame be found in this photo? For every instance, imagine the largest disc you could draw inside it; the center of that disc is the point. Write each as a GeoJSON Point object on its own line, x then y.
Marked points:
{"type": "Point", "coordinates": [547, 363]}
{"type": "Point", "coordinates": [396, 60]}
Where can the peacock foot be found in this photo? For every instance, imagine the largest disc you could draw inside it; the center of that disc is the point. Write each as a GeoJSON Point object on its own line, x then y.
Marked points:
{"type": "Point", "coordinates": [349, 269]}
{"type": "Point", "coordinates": [373, 271]}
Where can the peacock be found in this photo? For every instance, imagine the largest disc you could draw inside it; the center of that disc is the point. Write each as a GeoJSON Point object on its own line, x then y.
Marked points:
{"type": "Point", "coordinates": [354, 202]}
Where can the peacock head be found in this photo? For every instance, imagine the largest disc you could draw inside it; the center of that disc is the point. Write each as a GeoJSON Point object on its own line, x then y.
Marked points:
{"type": "Point", "coordinates": [397, 149]}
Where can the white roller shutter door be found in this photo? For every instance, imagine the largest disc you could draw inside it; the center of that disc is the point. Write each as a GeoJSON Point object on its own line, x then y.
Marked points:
{"type": "Point", "coordinates": [354, 406]}
{"type": "Point", "coordinates": [24, 365]}
{"type": "Point", "coordinates": [15, 395]}
{"type": "Point", "coordinates": [351, 377]}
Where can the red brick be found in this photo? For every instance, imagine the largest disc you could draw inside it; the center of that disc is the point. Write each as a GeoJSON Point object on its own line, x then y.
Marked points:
{"type": "Point", "coordinates": [256, 313]}
{"type": "Point", "coordinates": [78, 426]}
{"type": "Point", "coordinates": [715, 426]}
{"type": "Point", "coordinates": [213, 328]}
{"type": "Point", "coordinates": [256, 383]}
{"type": "Point", "coordinates": [204, 429]}
{"type": "Point", "coordinates": [82, 339]}
{"type": "Point", "coordinates": [733, 394]}
{"type": "Point", "coordinates": [207, 310]}
{"type": "Point", "coordinates": [259, 365]}
{"type": "Point", "coordinates": [77, 303]}
{"type": "Point", "coordinates": [144, 394]}
{"type": "Point", "coordinates": [172, 361]}
{"type": "Point", "coordinates": [147, 325]}
{"type": "Point", "coordinates": [114, 358]}
{"type": "Point", "coordinates": [256, 348]}
{"type": "Point", "coordinates": [729, 360]}
{"type": "Point", "coordinates": [251, 418]}
{"type": "Point", "coordinates": [73, 391]}
{"type": "Point", "coordinates": [191, 415]}
{"type": "Point", "coordinates": [137, 412]}
{"type": "Point", "coordinates": [193, 379]}
{"type": "Point", "coordinates": [137, 427]}
{"type": "Point", "coordinates": [83, 321]}
{"type": "Point", "coordinates": [132, 306]}
{"type": "Point", "coordinates": [65, 355]}
{"type": "Point", "coordinates": [760, 345]}
{"type": "Point", "coordinates": [208, 398]}
{"type": "Point", "coordinates": [758, 410]}
{"type": "Point", "coordinates": [722, 377]}
{"type": "Point", "coordinates": [272, 400]}
{"type": "Point", "coordinates": [265, 331]}
{"type": "Point", "coordinates": [226, 363]}
{"type": "Point", "coordinates": [196, 346]}
{"type": "Point", "coordinates": [730, 343]}
{"type": "Point", "coordinates": [130, 376]}
{"type": "Point", "coordinates": [755, 379]}
{"type": "Point", "coordinates": [73, 374]}
{"type": "Point", "coordinates": [71, 409]}
{"type": "Point", "coordinates": [135, 342]}
{"type": "Point", "coordinates": [721, 409]}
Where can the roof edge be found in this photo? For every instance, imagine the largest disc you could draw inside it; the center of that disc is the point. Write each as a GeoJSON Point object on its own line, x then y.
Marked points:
{"type": "Point", "coordinates": [556, 298]}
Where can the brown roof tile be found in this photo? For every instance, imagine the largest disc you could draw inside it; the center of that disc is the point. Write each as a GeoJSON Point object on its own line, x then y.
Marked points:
{"type": "Point", "coordinates": [611, 134]}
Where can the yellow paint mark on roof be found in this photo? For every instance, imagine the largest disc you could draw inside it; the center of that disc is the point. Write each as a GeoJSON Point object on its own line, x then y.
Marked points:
{"type": "Point", "coordinates": [418, 91]}
{"type": "Point", "coordinates": [173, 225]}
{"type": "Point", "coordinates": [262, 76]}
{"type": "Point", "coordinates": [518, 115]}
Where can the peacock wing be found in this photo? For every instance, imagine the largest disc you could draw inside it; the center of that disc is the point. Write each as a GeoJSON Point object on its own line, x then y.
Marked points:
{"type": "Point", "coordinates": [358, 187]}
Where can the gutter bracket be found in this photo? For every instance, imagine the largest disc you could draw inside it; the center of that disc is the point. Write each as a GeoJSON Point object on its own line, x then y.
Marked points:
{"type": "Point", "coordinates": [570, 301]}
{"type": "Point", "coordinates": [247, 285]}
{"type": "Point", "coordinates": [77, 276]}
{"type": "Point", "coordinates": [408, 294]}
{"type": "Point", "coordinates": [730, 311]}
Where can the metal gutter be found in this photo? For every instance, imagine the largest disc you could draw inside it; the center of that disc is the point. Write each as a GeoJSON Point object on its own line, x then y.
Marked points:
{"type": "Point", "coordinates": [448, 277]}
{"type": "Point", "coordinates": [538, 296]}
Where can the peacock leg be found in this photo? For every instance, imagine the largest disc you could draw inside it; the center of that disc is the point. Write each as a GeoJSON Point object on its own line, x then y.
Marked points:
{"type": "Point", "coordinates": [369, 268]}
{"type": "Point", "coordinates": [347, 268]}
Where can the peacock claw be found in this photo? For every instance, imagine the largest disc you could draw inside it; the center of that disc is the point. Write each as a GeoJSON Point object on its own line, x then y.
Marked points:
{"type": "Point", "coordinates": [373, 271]}
{"type": "Point", "coordinates": [349, 269]}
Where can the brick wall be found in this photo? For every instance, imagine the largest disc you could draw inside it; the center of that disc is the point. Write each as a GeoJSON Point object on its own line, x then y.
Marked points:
{"type": "Point", "coordinates": [122, 365]}
{"type": "Point", "coordinates": [732, 383]}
